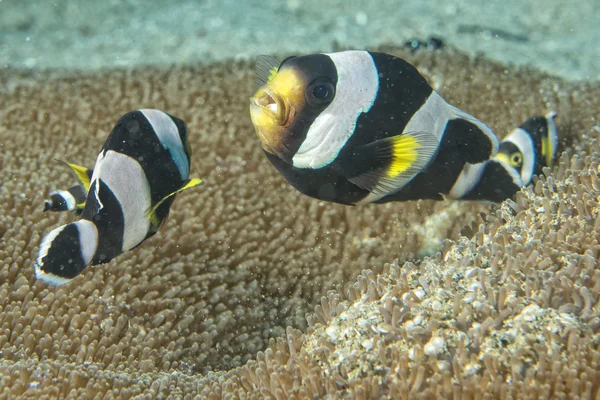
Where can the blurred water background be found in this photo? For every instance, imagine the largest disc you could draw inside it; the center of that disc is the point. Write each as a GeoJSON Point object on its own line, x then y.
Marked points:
{"type": "Point", "coordinates": [559, 37]}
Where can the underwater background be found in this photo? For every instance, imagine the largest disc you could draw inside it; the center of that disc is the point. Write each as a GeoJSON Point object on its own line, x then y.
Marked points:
{"type": "Point", "coordinates": [252, 290]}
{"type": "Point", "coordinates": [552, 35]}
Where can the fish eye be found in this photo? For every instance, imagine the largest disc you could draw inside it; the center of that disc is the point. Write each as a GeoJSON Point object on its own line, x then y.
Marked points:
{"type": "Point", "coordinates": [516, 159]}
{"type": "Point", "coordinates": [319, 92]}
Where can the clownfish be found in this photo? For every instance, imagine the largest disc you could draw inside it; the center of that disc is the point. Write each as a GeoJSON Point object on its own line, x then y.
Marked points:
{"type": "Point", "coordinates": [143, 164]}
{"type": "Point", "coordinates": [531, 146]}
{"type": "Point", "coordinates": [357, 127]}
{"type": "Point", "coordinates": [72, 199]}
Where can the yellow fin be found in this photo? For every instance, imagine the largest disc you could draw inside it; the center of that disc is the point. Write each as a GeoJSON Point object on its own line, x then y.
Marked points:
{"type": "Point", "coordinates": [83, 174]}
{"type": "Point", "coordinates": [394, 162]}
{"type": "Point", "coordinates": [190, 184]}
{"type": "Point", "coordinates": [547, 151]}
{"type": "Point", "coordinates": [405, 151]}
{"type": "Point", "coordinates": [272, 74]}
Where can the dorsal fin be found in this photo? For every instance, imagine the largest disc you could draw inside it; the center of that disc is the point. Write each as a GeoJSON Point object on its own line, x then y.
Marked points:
{"type": "Point", "coordinates": [265, 69]}
{"type": "Point", "coordinates": [83, 174]}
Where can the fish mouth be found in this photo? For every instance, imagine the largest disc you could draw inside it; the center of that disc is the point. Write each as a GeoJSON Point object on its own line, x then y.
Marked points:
{"type": "Point", "coordinates": [273, 105]}
{"type": "Point", "coordinates": [264, 142]}
{"type": "Point", "coordinates": [272, 114]}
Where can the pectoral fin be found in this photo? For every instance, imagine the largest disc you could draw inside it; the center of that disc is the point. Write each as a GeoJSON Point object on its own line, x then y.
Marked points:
{"type": "Point", "coordinates": [84, 175]}
{"type": "Point", "coordinates": [392, 162]}
{"type": "Point", "coordinates": [187, 185]}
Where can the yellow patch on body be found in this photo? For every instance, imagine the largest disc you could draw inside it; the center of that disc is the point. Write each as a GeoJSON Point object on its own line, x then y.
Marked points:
{"type": "Point", "coordinates": [405, 153]}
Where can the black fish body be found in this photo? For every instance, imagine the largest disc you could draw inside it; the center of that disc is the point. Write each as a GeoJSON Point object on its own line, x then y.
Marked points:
{"type": "Point", "coordinates": [358, 127]}
{"type": "Point", "coordinates": [144, 162]}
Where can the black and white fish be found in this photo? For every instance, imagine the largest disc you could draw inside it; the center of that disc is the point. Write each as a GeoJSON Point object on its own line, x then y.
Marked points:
{"type": "Point", "coordinates": [358, 127]}
{"type": "Point", "coordinates": [72, 199]}
{"type": "Point", "coordinates": [531, 147]}
{"type": "Point", "coordinates": [143, 164]}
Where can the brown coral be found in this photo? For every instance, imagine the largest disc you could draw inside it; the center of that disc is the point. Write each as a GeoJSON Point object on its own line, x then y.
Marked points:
{"type": "Point", "coordinates": [247, 256]}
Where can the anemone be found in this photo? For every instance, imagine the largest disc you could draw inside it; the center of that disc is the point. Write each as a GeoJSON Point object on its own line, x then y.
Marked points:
{"type": "Point", "coordinates": [252, 290]}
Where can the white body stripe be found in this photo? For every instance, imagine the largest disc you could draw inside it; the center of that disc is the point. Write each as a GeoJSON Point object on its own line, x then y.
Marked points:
{"type": "Point", "coordinates": [468, 178]}
{"type": "Point", "coordinates": [432, 117]}
{"type": "Point", "coordinates": [126, 179]}
{"type": "Point", "coordinates": [88, 239]}
{"type": "Point", "coordinates": [356, 91]}
{"type": "Point", "coordinates": [524, 143]}
{"type": "Point", "coordinates": [168, 134]}
{"type": "Point", "coordinates": [94, 178]}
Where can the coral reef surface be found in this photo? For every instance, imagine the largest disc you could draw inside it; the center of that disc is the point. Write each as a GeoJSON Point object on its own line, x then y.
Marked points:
{"type": "Point", "coordinates": [252, 290]}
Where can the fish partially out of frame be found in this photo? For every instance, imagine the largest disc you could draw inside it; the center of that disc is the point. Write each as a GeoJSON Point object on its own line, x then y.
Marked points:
{"type": "Point", "coordinates": [357, 127]}
{"type": "Point", "coordinates": [143, 164]}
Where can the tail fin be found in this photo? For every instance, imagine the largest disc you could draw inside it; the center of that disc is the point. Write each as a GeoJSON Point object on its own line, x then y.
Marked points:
{"type": "Point", "coordinates": [66, 251]}
{"type": "Point", "coordinates": [531, 147]}
{"type": "Point", "coordinates": [544, 132]}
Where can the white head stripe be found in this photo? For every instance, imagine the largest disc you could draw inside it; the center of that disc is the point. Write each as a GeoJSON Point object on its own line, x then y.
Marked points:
{"type": "Point", "coordinates": [356, 90]}
{"type": "Point", "coordinates": [468, 178]}
{"type": "Point", "coordinates": [524, 143]}
{"type": "Point", "coordinates": [88, 239]}
{"type": "Point", "coordinates": [168, 134]}
{"type": "Point", "coordinates": [125, 177]}
{"type": "Point", "coordinates": [68, 197]}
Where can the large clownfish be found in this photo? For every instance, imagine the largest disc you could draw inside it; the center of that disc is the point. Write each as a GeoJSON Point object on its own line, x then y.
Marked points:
{"type": "Point", "coordinates": [357, 127]}
{"type": "Point", "coordinates": [143, 164]}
